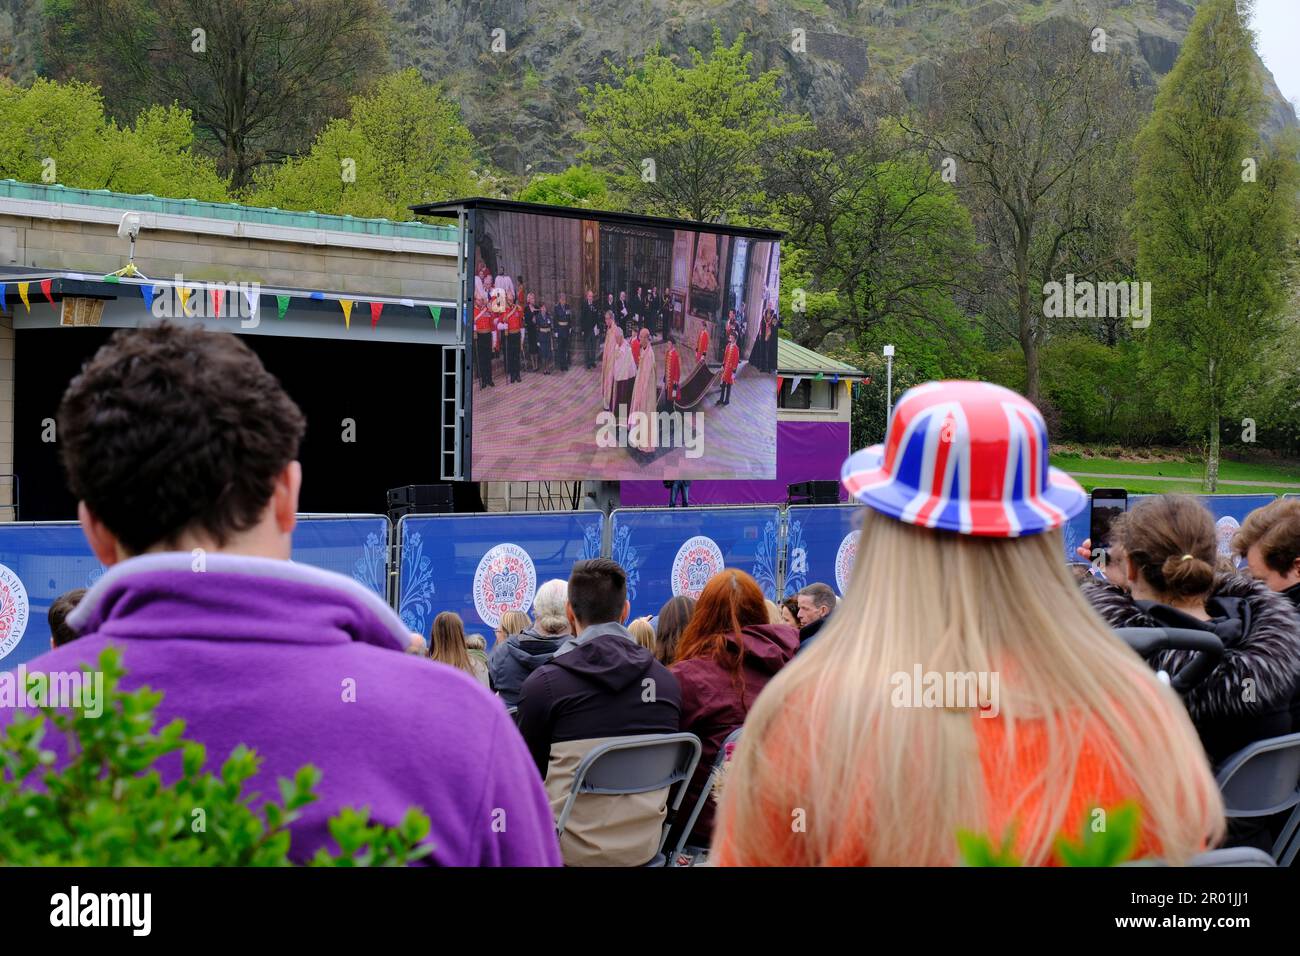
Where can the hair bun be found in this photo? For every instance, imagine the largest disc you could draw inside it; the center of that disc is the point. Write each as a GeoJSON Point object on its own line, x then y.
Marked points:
{"type": "Point", "coordinates": [1187, 574]}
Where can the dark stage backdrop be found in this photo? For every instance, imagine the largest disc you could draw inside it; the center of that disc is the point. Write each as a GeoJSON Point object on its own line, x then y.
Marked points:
{"type": "Point", "coordinates": [389, 389]}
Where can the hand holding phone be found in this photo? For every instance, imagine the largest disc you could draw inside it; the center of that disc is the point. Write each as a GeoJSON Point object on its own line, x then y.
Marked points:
{"type": "Point", "coordinates": [1106, 505]}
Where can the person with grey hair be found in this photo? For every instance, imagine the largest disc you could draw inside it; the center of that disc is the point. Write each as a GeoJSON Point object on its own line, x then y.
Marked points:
{"type": "Point", "coordinates": [816, 601]}
{"type": "Point", "coordinates": [520, 654]}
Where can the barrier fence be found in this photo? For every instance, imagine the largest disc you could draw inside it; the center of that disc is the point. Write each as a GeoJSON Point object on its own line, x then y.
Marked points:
{"type": "Point", "coordinates": [482, 565]}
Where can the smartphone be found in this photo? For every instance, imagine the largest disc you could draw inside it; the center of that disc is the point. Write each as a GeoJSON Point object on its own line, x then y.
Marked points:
{"type": "Point", "coordinates": [1107, 503]}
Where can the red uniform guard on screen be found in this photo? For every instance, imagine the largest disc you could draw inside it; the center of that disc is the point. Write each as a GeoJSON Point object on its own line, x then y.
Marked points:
{"type": "Point", "coordinates": [673, 372]}
{"type": "Point", "coordinates": [730, 362]}
{"type": "Point", "coordinates": [702, 346]}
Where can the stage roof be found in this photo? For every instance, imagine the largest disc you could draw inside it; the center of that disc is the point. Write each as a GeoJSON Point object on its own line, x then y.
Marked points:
{"type": "Point", "coordinates": [793, 359]}
{"type": "Point", "coordinates": [453, 207]}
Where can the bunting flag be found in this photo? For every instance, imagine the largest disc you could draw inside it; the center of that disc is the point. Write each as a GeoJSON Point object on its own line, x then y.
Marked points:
{"type": "Point", "coordinates": [318, 295]}
{"type": "Point", "coordinates": [46, 286]}
{"type": "Point", "coordinates": [794, 382]}
{"type": "Point", "coordinates": [112, 278]}
{"type": "Point", "coordinates": [147, 293]}
{"type": "Point", "coordinates": [835, 379]}
{"type": "Point", "coordinates": [281, 305]}
{"type": "Point", "coordinates": [437, 315]}
{"type": "Point", "coordinates": [375, 309]}
{"type": "Point", "coordinates": [253, 300]}
{"type": "Point", "coordinates": [3, 306]}
{"type": "Point", "coordinates": [819, 376]}
{"type": "Point", "coordinates": [217, 295]}
{"type": "Point", "coordinates": [347, 312]}
{"type": "Point", "coordinates": [780, 380]}
{"type": "Point", "coordinates": [409, 303]}
{"type": "Point", "coordinates": [22, 294]}
{"type": "Point", "coordinates": [184, 295]}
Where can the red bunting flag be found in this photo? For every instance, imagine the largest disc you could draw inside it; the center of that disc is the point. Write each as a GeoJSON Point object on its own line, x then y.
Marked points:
{"type": "Point", "coordinates": [46, 286]}
{"type": "Point", "coordinates": [216, 294]}
{"type": "Point", "coordinates": [375, 309]}
{"type": "Point", "coordinates": [779, 380]}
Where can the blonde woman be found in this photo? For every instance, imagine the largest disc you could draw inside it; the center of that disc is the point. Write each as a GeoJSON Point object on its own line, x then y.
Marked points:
{"type": "Point", "coordinates": [512, 622]}
{"type": "Point", "coordinates": [644, 633]}
{"type": "Point", "coordinates": [447, 643]}
{"type": "Point", "coordinates": [844, 760]}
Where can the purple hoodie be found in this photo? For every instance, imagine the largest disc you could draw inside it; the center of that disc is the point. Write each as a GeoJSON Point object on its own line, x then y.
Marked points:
{"type": "Point", "coordinates": [306, 666]}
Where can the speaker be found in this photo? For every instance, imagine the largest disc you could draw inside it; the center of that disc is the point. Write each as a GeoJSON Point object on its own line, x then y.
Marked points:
{"type": "Point", "coordinates": [419, 500]}
{"type": "Point", "coordinates": [813, 493]}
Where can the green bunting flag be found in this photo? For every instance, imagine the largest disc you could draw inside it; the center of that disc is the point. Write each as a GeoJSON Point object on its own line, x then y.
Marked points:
{"type": "Point", "coordinates": [437, 315]}
{"type": "Point", "coordinates": [281, 305]}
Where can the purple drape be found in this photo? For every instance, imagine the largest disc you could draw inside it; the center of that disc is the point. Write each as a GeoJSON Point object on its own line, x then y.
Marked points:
{"type": "Point", "coordinates": [805, 451]}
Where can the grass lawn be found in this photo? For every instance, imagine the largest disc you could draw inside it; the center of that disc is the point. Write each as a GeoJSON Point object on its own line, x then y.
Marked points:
{"type": "Point", "coordinates": [1228, 471]}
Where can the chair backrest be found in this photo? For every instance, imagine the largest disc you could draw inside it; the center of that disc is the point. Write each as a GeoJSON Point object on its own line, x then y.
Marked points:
{"type": "Point", "coordinates": [1234, 856]}
{"type": "Point", "coordinates": [640, 764]}
{"type": "Point", "coordinates": [1148, 640]}
{"type": "Point", "coordinates": [719, 762]}
{"type": "Point", "coordinates": [1264, 779]}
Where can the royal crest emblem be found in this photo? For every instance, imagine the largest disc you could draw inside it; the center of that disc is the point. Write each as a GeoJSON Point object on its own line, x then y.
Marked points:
{"type": "Point", "coordinates": [698, 559]}
{"type": "Point", "coordinates": [505, 580]}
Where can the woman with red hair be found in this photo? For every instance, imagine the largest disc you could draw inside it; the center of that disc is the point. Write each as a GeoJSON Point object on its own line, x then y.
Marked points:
{"type": "Point", "coordinates": [726, 655]}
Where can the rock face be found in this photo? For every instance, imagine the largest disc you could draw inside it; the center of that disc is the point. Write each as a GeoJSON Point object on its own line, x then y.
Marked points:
{"type": "Point", "coordinates": [522, 102]}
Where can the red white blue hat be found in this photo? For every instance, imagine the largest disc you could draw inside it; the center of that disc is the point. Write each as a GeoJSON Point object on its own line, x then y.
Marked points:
{"type": "Point", "coordinates": [970, 457]}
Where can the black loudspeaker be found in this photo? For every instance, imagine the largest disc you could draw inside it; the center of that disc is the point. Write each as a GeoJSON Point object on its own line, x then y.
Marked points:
{"type": "Point", "coordinates": [420, 500]}
{"type": "Point", "coordinates": [813, 493]}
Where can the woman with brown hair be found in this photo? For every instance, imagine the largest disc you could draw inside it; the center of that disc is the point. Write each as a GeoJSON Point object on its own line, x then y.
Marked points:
{"type": "Point", "coordinates": [727, 654]}
{"type": "Point", "coordinates": [447, 644]}
{"type": "Point", "coordinates": [672, 621]}
{"type": "Point", "coordinates": [1163, 572]}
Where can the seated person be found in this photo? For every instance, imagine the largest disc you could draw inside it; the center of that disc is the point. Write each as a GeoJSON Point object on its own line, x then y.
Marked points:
{"type": "Point", "coordinates": [601, 685]}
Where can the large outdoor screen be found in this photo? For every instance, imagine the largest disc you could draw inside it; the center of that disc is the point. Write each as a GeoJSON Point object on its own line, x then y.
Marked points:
{"type": "Point", "coordinates": [621, 351]}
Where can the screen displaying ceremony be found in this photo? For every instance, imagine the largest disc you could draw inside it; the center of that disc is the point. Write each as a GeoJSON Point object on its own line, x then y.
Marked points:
{"type": "Point", "coordinates": [622, 350]}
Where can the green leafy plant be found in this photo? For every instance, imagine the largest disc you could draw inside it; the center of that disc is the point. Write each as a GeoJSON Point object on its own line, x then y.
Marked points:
{"type": "Point", "coordinates": [1109, 845]}
{"type": "Point", "coordinates": [106, 804]}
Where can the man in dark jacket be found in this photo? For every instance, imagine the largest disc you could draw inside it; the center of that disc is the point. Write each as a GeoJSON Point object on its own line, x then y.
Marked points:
{"type": "Point", "coordinates": [816, 602]}
{"type": "Point", "coordinates": [600, 685]}
{"type": "Point", "coordinates": [1269, 540]}
{"type": "Point", "coordinates": [590, 327]}
{"type": "Point", "coordinates": [515, 659]}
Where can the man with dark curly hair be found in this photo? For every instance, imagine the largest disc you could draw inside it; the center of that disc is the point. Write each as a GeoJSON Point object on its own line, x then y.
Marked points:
{"type": "Point", "coordinates": [182, 452]}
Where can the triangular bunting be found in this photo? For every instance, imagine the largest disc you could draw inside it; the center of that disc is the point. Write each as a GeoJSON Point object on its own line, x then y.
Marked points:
{"type": "Point", "coordinates": [347, 312]}
{"type": "Point", "coordinates": [184, 294]}
{"type": "Point", "coordinates": [281, 305]}
{"type": "Point", "coordinates": [835, 379]}
{"type": "Point", "coordinates": [46, 286]}
{"type": "Point", "coordinates": [318, 295]}
{"type": "Point", "coordinates": [112, 278]}
{"type": "Point", "coordinates": [780, 379]}
{"type": "Point", "coordinates": [217, 295]}
{"type": "Point", "coordinates": [3, 306]}
{"type": "Point", "coordinates": [375, 309]}
{"type": "Point", "coordinates": [22, 294]}
{"type": "Point", "coordinates": [794, 382]}
{"type": "Point", "coordinates": [146, 293]}
{"type": "Point", "coordinates": [409, 303]}
{"type": "Point", "coordinates": [253, 300]}
{"type": "Point", "coordinates": [819, 376]}
{"type": "Point", "coordinates": [437, 315]}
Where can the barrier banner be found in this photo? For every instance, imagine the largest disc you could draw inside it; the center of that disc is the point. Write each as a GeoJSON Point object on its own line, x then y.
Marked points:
{"type": "Point", "coordinates": [39, 562]}
{"type": "Point", "coordinates": [481, 566]}
{"type": "Point", "coordinates": [821, 542]}
{"type": "Point", "coordinates": [671, 551]}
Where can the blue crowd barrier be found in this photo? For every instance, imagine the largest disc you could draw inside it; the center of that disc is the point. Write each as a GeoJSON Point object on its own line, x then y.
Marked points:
{"type": "Point", "coordinates": [483, 565]}
{"type": "Point", "coordinates": [821, 542]}
{"type": "Point", "coordinates": [671, 551]}
{"type": "Point", "coordinates": [1228, 510]}
{"type": "Point", "coordinates": [40, 561]}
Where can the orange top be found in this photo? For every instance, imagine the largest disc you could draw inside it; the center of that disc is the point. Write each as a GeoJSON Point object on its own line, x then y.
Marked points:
{"type": "Point", "coordinates": [1097, 783]}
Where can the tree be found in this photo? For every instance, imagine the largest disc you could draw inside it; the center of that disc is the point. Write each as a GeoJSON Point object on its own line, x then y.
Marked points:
{"type": "Point", "coordinates": [401, 145]}
{"type": "Point", "coordinates": [876, 223]}
{"type": "Point", "coordinates": [1027, 121]}
{"type": "Point", "coordinates": [57, 132]}
{"type": "Point", "coordinates": [259, 76]}
{"type": "Point", "coordinates": [685, 141]}
{"type": "Point", "coordinates": [1215, 216]}
{"type": "Point", "coordinates": [576, 186]}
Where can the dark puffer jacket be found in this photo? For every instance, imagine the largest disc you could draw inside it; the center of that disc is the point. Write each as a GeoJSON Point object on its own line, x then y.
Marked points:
{"type": "Point", "coordinates": [1261, 640]}
{"type": "Point", "coordinates": [514, 659]}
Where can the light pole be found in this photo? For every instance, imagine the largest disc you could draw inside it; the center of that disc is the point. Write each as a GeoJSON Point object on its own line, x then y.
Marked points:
{"type": "Point", "coordinates": [889, 384]}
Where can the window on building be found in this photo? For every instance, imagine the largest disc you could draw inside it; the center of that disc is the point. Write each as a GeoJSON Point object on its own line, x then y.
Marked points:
{"type": "Point", "coordinates": [810, 393]}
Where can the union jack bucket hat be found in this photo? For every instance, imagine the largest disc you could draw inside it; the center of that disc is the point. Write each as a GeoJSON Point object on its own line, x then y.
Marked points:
{"type": "Point", "coordinates": [969, 457]}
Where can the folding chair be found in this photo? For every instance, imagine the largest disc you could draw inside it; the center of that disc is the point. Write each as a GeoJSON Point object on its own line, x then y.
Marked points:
{"type": "Point", "coordinates": [1148, 640]}
{"type": "Point", "coordinates": [719, 763]}
{"type": "Point", "coordinates": [1261, 780]}
{"type": "Point", "coordinates": [639, 764]}
{"type": "Point", "coordinates": [1233, 856]}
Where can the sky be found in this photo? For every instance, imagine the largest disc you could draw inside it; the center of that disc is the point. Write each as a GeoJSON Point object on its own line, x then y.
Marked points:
{"type": "Point", "coordinates": [1277, 28]}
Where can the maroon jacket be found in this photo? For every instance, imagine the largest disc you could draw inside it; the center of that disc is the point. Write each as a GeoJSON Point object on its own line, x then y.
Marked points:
{"type": "Point", "coordinates": [713, 705]}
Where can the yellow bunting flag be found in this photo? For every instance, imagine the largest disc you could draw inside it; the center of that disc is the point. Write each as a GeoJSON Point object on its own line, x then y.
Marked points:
{"type": "Point", "coordinates": [22, 294]}
{"type": "Point", "coordinates": [184, 295]}
{"type": "Point", "coordinates": [347, 312]}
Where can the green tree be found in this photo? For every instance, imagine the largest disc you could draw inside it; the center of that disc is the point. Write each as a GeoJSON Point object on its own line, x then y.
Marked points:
{"type": "Point", "coordinates": [400, 145]}
{"type": "Point", "coordinates": [1215, 213]}
{"type": "Point", "coordinates": [685, 141]}
{"type": "Point", "coordinates": [260, 76]}
{"type": "Point", "coordinates": [57, 132]}
{"type": "Point", "coordinates": [576, 186]}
